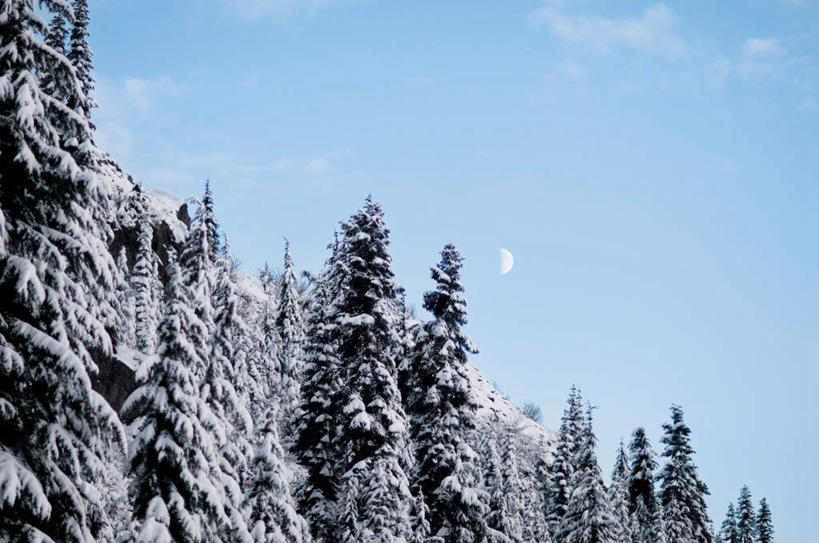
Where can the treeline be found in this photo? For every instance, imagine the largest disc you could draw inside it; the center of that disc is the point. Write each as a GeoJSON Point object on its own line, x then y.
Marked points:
{"type": "Point", "coordinates": [326, 414]}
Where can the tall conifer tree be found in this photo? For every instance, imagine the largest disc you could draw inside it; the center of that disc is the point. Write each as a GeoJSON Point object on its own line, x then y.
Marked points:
{"type": "Point", "coordinates": [321, 400]}
{"type": "Point", "coordinates": [170, 460]}
{"type": "Point", "coordinates": [682, 492]}
{"type": "Point", "coordinates": [373, 428]}
{"type": "Point", "coordinates": [271, 509]}
{"type": "Point", "coordinates": [142, 283]}
{"type": "Point", "coordinates": [208, 218]}
{"type": "Point", "coordinates": [618, 496]}
{"type": "Point", "coordinates": [728, 530]}
{"type": "Point", "coordinates": [568, 439]}
{"type": "Point", "coordinates": [642, 498]}
{"type": "Point", "coordinates": [81, 56]}
{"type": "Point", "coordinates": [764, 523]}
{"type": "Point", "coordinates": [54, 429]}
{"type": "Point", "coordinates": [290, 328]}
{"type": "Point", "coordinates": [442, 408]}
{"type": "Point", "coordinates": [588, 518]}
{"type": "Point", "coordinates": [746, 519]}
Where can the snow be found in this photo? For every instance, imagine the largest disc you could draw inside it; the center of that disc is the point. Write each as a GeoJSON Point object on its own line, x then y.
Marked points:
{"type": "Point", "coordinates": [492, 405]}
{"type": "Point", "coordinates": [130, 357]}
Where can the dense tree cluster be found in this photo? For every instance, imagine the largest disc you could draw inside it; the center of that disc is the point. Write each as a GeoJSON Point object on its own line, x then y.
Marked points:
{"type": "Point", "coordinates": [270, 413]}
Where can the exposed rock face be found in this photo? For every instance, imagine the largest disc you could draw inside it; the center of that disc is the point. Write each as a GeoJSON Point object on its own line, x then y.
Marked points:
{"type": "Point", "coordinates": [115, 379]}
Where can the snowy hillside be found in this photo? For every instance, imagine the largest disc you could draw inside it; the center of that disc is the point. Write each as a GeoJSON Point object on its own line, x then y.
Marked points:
{"type": "Point", "coordinates": [494, 407]}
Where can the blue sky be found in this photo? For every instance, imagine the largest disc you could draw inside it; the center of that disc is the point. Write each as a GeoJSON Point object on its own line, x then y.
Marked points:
{"type": "Point", "coordinates": [652, 166]}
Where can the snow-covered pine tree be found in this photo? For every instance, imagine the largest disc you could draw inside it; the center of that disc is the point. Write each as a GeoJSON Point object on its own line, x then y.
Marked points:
{"type": "Point", "coordinates": [420, 520]}
{"type": "Point", "coordinates": [290, 329]}
{"type": "Point", "coordinates": [536, 529]}
{"type": "Point", "coordinates": [208, 218]}
{"type": "Point", "coordinates": [746, 519]}
{"type": "Point", "coordinates": [231, 425]}
{"type": "Point", "coordinates": [493, 485]}
{"type": "Point", "coordinates": [511, 506]}
{"type": "Point", "coordinates": [348, 504]}
{"type": "Point", "coordinates": [171, 458]}
{"type": "Point", "coordinates": [642, 498]}
{"type": "Point", "coordinates": [57, 34]}
{"type": "Point", "coordinates": [56, 37]}
{"type": "Point", "coordinates": [588, 518]}
{"type": "Point", "coordinates": [242, 375]}
{"type": "Point", "coordinates": [682, 492]}
{"type": "Point", "coordinates": [764, 523]}
{"type": "Point", "coordinates": [146, 311]}
{"type": "Point", "coordinates": [81, 56]}
{"type": "Point", "coordinates": [728, 530]}
{"type": "Point", "coordinates": [127, 303]}
{"type": "Point", "coordinates": [320, 406]}
{"type": "Point", "coordinates": [373, 428]}
{"type": "Point", "coordinates": [271, 510]}
{"type": "Point", "coordinates": [197, 274]}
{"type": "Point", "coordinates": [442, 408]}
{"type": "Point", "coordinates": [618, 496]}
{"type": "Point", "coordinates": [568, 439]}
{"type": "Point", "coordinates": [54, 429]}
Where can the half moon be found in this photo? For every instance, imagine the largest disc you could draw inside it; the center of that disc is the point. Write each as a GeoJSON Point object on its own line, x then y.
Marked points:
{"type": "Point", "coordinates": [506, 261]}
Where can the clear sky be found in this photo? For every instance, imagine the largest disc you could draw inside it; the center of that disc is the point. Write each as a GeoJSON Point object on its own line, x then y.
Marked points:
{"type": "Point", "coordinates": [652, 167]}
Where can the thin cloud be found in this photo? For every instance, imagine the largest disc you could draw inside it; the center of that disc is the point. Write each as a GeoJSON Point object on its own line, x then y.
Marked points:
{"type": "Point", "coordinates": [653, 31]}
{"type": "Point", "coordinates": [278, 9]}
{"type": "Point", "coordinates": [762, 47]}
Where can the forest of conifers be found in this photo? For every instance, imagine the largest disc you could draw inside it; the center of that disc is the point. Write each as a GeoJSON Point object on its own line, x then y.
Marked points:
{"type": "Point", "coordinates": [147, 393]}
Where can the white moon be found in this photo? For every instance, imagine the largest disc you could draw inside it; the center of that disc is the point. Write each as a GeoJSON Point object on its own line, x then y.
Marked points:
{"type": "Point", "coordinates": [506, 261]}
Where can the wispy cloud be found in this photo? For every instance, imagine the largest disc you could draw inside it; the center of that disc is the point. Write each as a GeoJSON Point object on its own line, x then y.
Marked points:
{"type": "Point", "coordinates": [686, 57]}
{"type": "Point", "coordinates": [653, 31]}
{"type": "Point", "coordinates": [761, 47]}
{"type": "Point", "coordinates": [572, 69]}
{"type": "Point", "coordinates": [124, 103]}
{"type": "Point", "coordinates": [278, 9]}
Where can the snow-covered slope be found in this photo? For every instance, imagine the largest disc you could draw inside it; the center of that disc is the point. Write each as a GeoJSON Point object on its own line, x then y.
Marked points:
{"type": "Point", "coordinates": [495, 407]}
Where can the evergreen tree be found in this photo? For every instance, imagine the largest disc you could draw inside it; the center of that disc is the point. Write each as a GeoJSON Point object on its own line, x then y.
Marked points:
{"type": "Point", "coordinates": [764, 523]}
{"type": "Point", "coordinates": [536, 529]}
{"type": "Point", "coordinates": [728, 531]}
{"type": "Point", "coordinates": [746, 519]}
{"type": "Point", "coordinates": [349, 497]}
{"type": "Point", "coordinates": [231, 424]}
{"type": "Point", "coordinates": [56, 38]}
{"type": "Point", "coordinates": [290, 328]}
{"type": "Point", "coordinates": [170, 459]}
{"type": "Point", "coordinates": [197, 274]}
{"type": "Point", "coordinates": [272, 514]}
{"type": "Point", "coordinates": [642, 500]}
{"type": "Point", "coordinates": [511, 507]}
{"type": "Point", "coordinates": [372, 425]}
{"type": "Point", "coordinates": [142, 283]}
{"type": "Point", "coordinates": [568, 439]}
{"type": "Point", "coordinates": [224, 373]}
{"type": "Point", "coordinates": [420, 522]}
{"type": "Point", "coordinates": [125, 294]}
{"type": "Point", "coordinates": [319, 409]}
{"type": "Point", "coordinates": [588, 518]}
{"type": "Point", "coordinates": [57, 34]}
{"type": "Point", "coordinates": [618, 497]}
{"type": "Point", "coordinates": [55, 431]}
{"type": "Point", "coordinates": [208, 219]}
{"type": "Point", "coordinates": [81, 57]}
{"type": "Point", "coordinates": [682, 492]}
{"type": "Point", "coordinates": [442, 407]}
